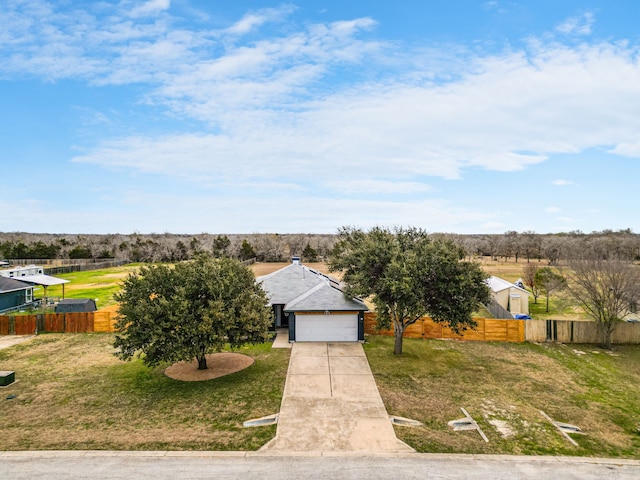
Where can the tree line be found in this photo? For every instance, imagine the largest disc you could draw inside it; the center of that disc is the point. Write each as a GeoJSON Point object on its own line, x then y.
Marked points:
{"type": "Point", "coordinates": [273, 247]}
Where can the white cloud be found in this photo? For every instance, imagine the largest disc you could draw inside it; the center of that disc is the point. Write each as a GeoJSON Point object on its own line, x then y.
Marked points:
{"type": "Point", "coordinates": [561, 183]}
{"type": "Point", "coordinates": [506, 113]}
{"type": "Point", "coordinates": [578, 25]}
{"type": "Point", "coordinates": [151, 7]}
{"type": "Point", "coordinates": [319, 106]}
{"type": "Point", "coordinates": [627, 149]}
{"type": "Point", "coordinates": [252, 21]}
{"type": "Point", "coordinates": [552, 209]}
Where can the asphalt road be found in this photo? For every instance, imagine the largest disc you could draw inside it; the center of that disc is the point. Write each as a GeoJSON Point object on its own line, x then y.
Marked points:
{"type": "Point", "coordinates": [246, 466]}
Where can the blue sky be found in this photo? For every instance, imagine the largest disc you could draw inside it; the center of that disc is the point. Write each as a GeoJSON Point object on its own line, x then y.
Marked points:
{"type": "Point", "coordinates": [190, 116]}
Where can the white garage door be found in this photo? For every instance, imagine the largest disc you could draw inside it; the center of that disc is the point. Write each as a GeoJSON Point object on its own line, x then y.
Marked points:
{"type": "Point", "coordinates": [327, 328]}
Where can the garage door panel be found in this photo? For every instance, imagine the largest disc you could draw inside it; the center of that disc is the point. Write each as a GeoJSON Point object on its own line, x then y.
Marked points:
{"type": "Point", "coordinates": [327, 328]}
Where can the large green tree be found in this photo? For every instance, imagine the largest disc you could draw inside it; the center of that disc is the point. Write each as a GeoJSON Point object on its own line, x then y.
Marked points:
{"type": "Point", "coordinates": [549, 281]}
{"type": "Point", "coordinates": [171, 314]}
{"type": "Point", "coordinates": [408, 275]}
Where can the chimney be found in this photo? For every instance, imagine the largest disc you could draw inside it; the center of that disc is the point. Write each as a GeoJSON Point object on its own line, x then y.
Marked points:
{"type": "Point", "coordinates": [295, 260]}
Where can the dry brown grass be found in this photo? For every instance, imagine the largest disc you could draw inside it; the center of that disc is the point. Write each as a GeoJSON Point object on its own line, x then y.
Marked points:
{"type": "Point", "coordinates": [504, 386]}
{"type": "Point", "coordinates": [73, 393]}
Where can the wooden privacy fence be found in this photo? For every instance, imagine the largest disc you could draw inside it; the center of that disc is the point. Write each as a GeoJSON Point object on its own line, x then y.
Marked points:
{"type": "Point", "coordinates": [572, 331]}
{"type": "Point", "coordinates": [488, 329]}
{"type": "Point", "coordinates": [84, 322]}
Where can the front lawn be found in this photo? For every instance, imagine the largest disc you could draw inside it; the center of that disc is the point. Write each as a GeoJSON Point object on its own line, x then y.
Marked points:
{"type": "Point", "coordinates": [72, 393]}
{"type": "Point", "coordinates": [504, 386]}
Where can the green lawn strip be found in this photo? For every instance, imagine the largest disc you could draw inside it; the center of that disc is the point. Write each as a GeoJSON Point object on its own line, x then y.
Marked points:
{"type": "Point", "coordinates": [74, 394]}
{"type": "Point", "coordinates": [560, 308]}
{"type": "Point", "coordinates": [504, 386]}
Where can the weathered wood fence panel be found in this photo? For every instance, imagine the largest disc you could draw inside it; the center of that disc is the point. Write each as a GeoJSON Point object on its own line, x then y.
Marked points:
{"type": "Point", "coordinates": [574, 331]}
{"type": "Point", "coordinates": [25, 325]}
{"type": "Point", "coordinates": [77, 322]}
{"type": "Point", "coordinates": [535, 330]}
{"type": "Point", "coordinates": [54, 322]}
{"type": "Point", "coordinates": [487, 329]}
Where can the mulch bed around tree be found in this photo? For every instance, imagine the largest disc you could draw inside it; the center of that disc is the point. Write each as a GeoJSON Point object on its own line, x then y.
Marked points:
{"type": "Point", "coordinates": [219, 365]}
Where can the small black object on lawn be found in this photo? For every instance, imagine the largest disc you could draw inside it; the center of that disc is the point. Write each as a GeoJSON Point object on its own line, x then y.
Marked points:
{"type": "Point", "coordinates": [7, 378]}
{"type": "Point", "coordinates": [11, 396]}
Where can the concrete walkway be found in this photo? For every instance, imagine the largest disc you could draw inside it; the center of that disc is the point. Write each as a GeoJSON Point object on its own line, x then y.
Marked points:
{"type": "Point", "coordinates": [7, 341]}
{"type": "Point", "coordinates": [331, 404]}
{"type": "Point", "coordinates": [282, 339]}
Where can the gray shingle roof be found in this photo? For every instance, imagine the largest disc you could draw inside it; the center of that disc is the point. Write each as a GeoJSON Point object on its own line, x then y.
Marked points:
{"type": "Point", "coordinates": [306, 289]}
{"type": "Point", "coordinates": [324, 296]}
{"type": "Point", "coordinates": [289, 282]}
{"type": "Point", "coordinates": [11, 285]}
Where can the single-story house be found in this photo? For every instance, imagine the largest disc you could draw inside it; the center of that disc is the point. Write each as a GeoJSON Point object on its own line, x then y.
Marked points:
{"type": "Point", "coordinates": [73, 305]}
{"type": "Point", "coordinates": [312, 305]}
{"type": "Point", "coordinates": [509, 296]}
{"type": "Point", "coordinates": [14, 293]}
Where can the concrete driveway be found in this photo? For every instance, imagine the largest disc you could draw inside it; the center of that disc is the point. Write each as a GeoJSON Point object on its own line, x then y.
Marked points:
{"type": "Point", "coordinates": [331, 403]}
{"type": "Point", "coordinates": [7, 341]}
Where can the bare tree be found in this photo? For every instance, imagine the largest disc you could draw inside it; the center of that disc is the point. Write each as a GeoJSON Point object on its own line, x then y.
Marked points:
{"type": "Point", "coordinates": [607, 289]}
{"type": "Point", "coordinates": [529, 279]}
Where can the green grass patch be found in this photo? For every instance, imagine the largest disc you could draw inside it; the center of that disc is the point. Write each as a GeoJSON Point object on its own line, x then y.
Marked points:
{"type": "Point", "coordinates": [100, 285]}
{"type": "Point", "coordinates": [560, 308]}
{"type": "Point", "coordinates": [73, 393]}
{"type": "Point", "coordinates": [504, 386]}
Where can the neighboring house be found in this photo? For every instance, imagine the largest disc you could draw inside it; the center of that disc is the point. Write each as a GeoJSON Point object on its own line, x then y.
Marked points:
{"type": "Point", "coordinates": [33, 275]}
{"type": "Point", "coordinates": [73, 305]}
{"type": "Point", "coordinates": [14, 293]}
{"type": "Point", "coordinates": [312, 305]}
{"type": "Point", "coordinates": [509, 296]}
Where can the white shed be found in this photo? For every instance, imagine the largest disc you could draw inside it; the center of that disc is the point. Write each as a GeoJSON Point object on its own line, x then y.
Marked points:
{"type": "Point", "coordinates": [509, 296]}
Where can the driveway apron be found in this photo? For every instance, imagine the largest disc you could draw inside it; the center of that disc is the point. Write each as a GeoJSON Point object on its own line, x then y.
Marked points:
{"type": "Point", "coordinates": [331, 403]}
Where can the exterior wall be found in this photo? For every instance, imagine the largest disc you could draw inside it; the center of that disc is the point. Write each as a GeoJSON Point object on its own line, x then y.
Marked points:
{"type": "Point", "coordinates": [503, 299]}
{"type": "Point", "coordinates": [488, 329]}
{"type": "Point", "coordinates": [16, 298]}
{"type": "Point", "coordinates": [524, 301]}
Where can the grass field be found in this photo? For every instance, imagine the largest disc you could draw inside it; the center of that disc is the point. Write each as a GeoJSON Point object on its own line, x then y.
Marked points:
{"type": "Point", "coordinates": [102, 284]}
{"type": "Point", "coordinates": [97, 284]}
{"type": "Point", "coordinates": [504, 386]}
{"type": "Point", "coordinates": [72, 393]}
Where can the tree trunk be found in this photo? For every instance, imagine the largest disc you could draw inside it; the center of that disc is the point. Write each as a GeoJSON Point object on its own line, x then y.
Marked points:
{"type": "Point", "coordinates": [547, 303]}
{"type": "Point", "coordinates": [399, 331]}
{"type": "Point", "coordinates": [202, 363]}
{"type": "Point", "coordinates": [608, 331]}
